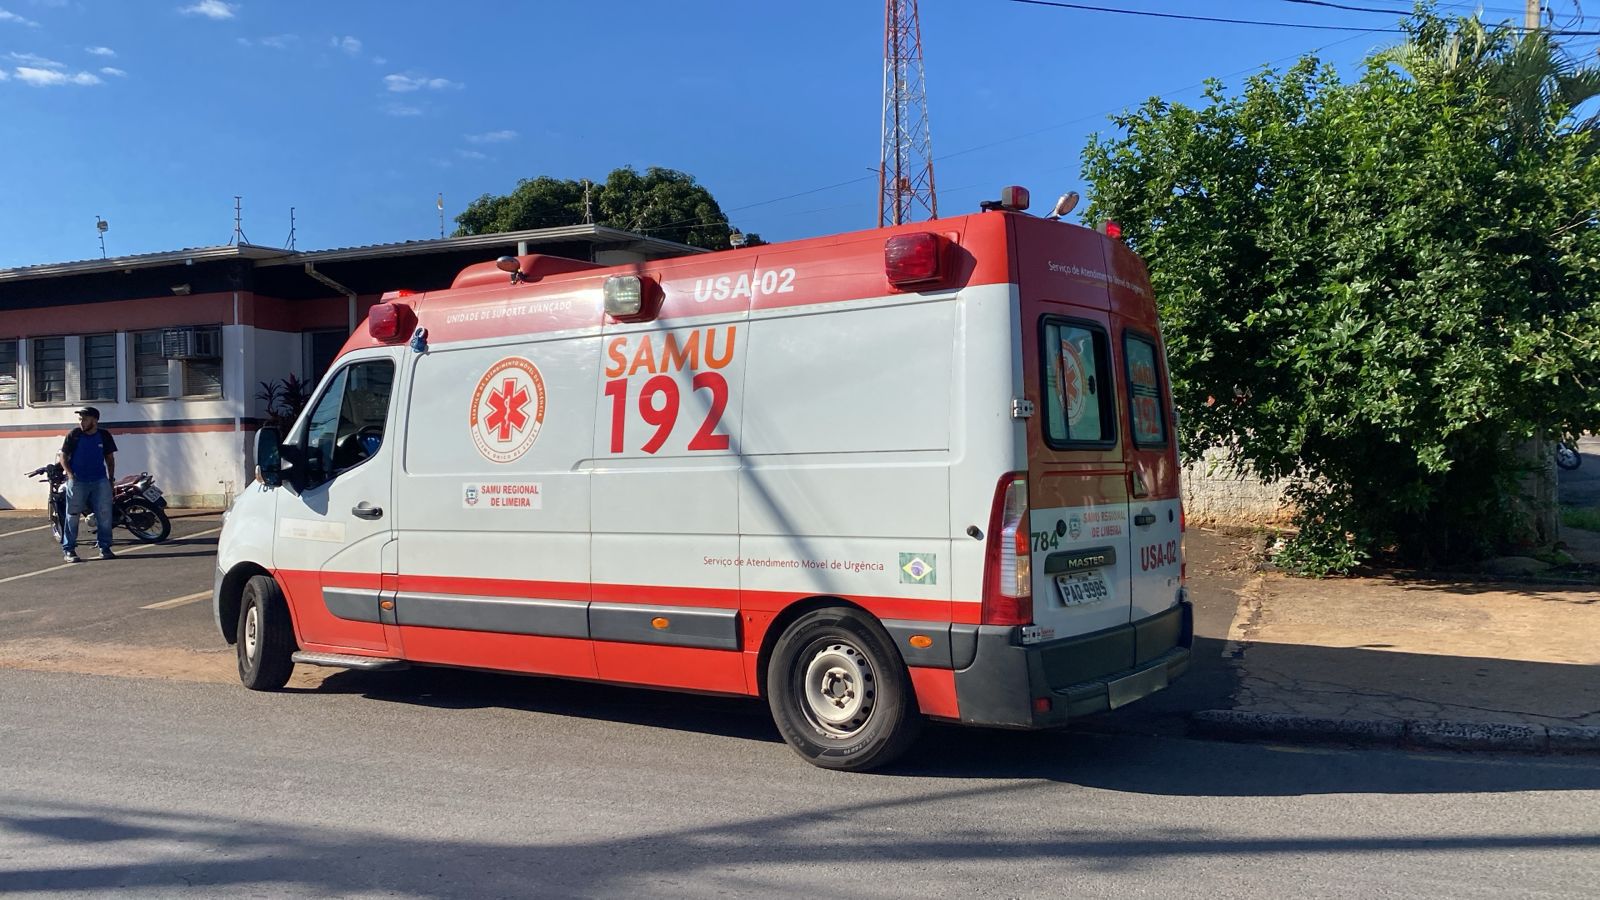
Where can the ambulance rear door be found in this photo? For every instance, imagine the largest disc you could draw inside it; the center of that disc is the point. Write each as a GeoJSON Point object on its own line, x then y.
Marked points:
{"type": "Point", "coordinates": [1077, 475]}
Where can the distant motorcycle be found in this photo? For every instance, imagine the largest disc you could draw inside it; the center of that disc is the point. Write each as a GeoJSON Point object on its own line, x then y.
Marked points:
{"type": "Point", "coordinates": [136, 504]}
{"type": "Point", "coordinates": [1567, 455]}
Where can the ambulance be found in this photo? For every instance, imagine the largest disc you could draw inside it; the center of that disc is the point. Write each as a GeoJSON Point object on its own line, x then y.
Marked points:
{"type": "Point", "coordinates": [925, 472]}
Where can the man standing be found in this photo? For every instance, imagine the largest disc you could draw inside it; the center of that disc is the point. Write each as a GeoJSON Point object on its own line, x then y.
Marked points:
{"type": "Point", "coordinates": [88, 456]}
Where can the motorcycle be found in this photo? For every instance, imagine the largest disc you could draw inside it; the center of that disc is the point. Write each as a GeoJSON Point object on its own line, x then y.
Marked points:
{"type": "Point", "coordinates": [1567, 455]}
{"type": "Point", "coordinates": [136, 504]}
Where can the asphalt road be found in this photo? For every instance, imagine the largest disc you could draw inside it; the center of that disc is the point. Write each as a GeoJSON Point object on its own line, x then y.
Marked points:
{"type": "Point", "coordinates": [1581, 486]}
{"type": "Point", "coordinates": [132, 763]}
{"type": "Point", "coordinates": [444, 786]}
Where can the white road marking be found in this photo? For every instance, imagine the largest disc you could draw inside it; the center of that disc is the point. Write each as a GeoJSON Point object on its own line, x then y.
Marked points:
{"type": "Point", "coordinates": [120, 553]}
{"type": "Point", "coordinates": [179, 601]}
{"type": "Point", "coordinates": [25, 530]}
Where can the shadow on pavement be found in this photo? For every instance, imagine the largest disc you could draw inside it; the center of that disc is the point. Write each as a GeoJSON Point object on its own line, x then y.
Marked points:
{"type": "Point", "coordinates": [1080, 755]}
{"type": "Point", "coordinates": [753, 854]}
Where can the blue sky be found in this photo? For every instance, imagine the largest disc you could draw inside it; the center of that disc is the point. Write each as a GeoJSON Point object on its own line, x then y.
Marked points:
{"type": "Point", "coordinates": [155, 114]}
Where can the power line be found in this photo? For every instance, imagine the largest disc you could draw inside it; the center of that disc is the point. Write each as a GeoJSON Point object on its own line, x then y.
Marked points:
{"type": "Point", "coordinates": [1163, 15]}
{"type": "Point", "coordinates": [1302, 25]}
{"type": "Point", "coordinates": [1402, 13]}
{"type": "Point", "coordinates": [1023, 136]}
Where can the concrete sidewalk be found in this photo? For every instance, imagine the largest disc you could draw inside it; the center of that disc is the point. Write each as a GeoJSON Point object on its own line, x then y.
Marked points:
{"type": "Point", "coordinates": [1443, 664]}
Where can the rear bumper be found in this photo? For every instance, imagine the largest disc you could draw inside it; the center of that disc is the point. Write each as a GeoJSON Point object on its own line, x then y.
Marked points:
{"type": "Point", "coordinates": [1078, 675]}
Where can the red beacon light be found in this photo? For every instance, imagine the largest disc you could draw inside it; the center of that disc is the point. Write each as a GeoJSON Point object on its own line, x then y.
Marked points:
{"type": "Point", "coordinates": [1111, 229]}
{"type": "Point", "coordinates": [913, 258]}
{"type": "Point", "coordinates": [390, 323]}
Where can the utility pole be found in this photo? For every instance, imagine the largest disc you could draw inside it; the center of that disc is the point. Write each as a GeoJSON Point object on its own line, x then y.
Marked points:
{"type": "Point", "coordinates": [1530, 18]}
{"type": "Point", "coordinates": [905, 163]}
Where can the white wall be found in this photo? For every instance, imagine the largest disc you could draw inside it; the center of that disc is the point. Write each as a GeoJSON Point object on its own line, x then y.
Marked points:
{"type": "Point", "coordinates": [195, 467]}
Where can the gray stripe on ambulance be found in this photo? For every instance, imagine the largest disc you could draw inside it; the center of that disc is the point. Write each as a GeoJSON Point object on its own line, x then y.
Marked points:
{"type": "Point", "coordinates": [505, 615]}
{"type": "Point", "coordinates": [352, 604]}
{"type": "Point", "coordinates": [715, 629]}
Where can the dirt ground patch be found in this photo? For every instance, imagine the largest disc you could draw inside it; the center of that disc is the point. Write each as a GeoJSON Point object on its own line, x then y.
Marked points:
{"type": "Point", "coordinates": [125, 661]}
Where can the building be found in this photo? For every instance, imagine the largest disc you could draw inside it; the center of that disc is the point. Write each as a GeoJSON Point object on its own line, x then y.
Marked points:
{"type": "Point", "coordinates": [174, 348]}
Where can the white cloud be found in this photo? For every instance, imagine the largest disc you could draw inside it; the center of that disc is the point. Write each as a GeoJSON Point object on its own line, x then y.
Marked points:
{"type": "Point", "coordinates": [492, 137]}
{"type": "Point", "coordinates": [101, 51]}
{"type": "Point", "coordinates": [403, 84]}
{"type": "Point", "coordinates": [35, 60]}
{"type": "Point", "coordinates": [401, 110]}
{"type": "Point", "coordinates": [9, 16]}
{"type": "Point", "coordinates": [350, 45]}
{"type": "Point", "coordinates": [4, 75]}
{"type": "Point", "coordinates": [211, 9]}
{"type": "Point", "coordinates": [380, 60]}
{"type": "Point", "coordinates": [114, 72]}
{"type": "Point", "coordinates": [51, 78]}
{"type": "Point", "coordinates": [279, 41]}
{"type": "Point", "coordinates": [471, 154]}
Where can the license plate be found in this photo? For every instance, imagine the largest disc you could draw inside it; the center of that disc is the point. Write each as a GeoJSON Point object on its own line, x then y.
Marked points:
{"type": "Point", "coordinates": [152, 494]}
{"type": "Point", "coordinates": [1081, 588]}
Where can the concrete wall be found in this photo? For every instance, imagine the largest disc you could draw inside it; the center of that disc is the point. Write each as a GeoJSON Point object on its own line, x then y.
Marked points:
{"type": "Point", "coordinates": [1214, 495]}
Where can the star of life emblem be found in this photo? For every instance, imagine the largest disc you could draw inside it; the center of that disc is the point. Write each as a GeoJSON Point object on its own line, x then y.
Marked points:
{"type": "Point", "coordinates": [508, 409]}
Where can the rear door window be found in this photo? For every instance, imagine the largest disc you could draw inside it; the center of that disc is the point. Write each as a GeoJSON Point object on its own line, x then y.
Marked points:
{"type": "Point", "coordinates": [1078, 389]}
{"type": "Point", "coordinates": [1146, 409]}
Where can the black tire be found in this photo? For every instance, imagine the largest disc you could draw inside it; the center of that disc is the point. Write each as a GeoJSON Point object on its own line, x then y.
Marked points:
{"type": "Point", "coordinates": [265, 636]}
{"type": "Point", "coordinates": [840, 693]}
{"type": "Point", "coordinates": [57, 523]}
{"type": "Point", "coordinates": [147, 522]}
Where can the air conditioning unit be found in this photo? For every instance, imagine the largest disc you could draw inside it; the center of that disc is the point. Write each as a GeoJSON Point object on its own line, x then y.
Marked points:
{"type": "Point", "coordinates": [191, 343]}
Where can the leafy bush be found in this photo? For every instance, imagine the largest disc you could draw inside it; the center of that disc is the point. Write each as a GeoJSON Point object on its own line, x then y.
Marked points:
{"type": "Point", "coordinates": [1376, 290]}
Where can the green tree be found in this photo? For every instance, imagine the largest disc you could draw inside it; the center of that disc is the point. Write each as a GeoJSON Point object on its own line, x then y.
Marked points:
{"type": "Point", "coordinates": [1373, 290]}
{"type": "Point", "coordinates": [662, 203]}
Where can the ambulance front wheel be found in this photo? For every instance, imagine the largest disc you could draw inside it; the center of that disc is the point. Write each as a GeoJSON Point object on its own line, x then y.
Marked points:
{"type": "Point", "coordinates": [839, 692]}
{"type": "Point", "coordinates": [265, 638]}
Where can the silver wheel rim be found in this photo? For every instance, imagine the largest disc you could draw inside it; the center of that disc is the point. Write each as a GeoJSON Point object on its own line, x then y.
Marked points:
{"type": "Point", "coordinates": [252, 627]}
{"type": "Point", "coordinates": [839, 688]}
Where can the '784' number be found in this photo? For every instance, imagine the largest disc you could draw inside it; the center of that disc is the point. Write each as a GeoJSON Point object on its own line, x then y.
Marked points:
{"type": "Point", "coordinates": [659, 402]}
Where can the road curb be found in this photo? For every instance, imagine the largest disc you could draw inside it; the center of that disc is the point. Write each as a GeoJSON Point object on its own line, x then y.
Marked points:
{"type": "Point", "coordinates": [1434, 734]}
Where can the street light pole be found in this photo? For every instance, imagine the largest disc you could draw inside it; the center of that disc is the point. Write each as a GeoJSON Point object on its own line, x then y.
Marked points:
{"type": "Point", "coordinates": [1530, 18]}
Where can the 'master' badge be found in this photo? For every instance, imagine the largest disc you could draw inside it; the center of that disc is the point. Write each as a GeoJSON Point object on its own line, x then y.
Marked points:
{"type": "Point", "coordinates": [507, 409]}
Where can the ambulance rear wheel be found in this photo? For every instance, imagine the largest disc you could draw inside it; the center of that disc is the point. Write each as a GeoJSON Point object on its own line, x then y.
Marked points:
{"type": "Point", "coordinates": [839, 693]}
{"type": "Point", "coordinates": [265, 637]}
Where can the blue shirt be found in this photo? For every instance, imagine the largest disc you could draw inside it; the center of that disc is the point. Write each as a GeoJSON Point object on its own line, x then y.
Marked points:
{"type": "Point", "coordinates": [87, 455]}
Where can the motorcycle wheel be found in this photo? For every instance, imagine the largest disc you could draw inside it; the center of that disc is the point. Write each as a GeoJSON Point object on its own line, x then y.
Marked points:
{"type": "Point", "coordinates": [56, 524]}
{"type": "Point", "coordinates": [145, 521]}
{"type": "Point", "coordinates": [1567, 457]}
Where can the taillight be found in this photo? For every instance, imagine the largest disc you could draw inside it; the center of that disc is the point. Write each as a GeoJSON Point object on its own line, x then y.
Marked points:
{"type": "Point", "coordinates": [913, 258]}
{"type": "Point", "coordinates": [1183, 557]}
{"type": "Point", "coordinates": [1008, 587]}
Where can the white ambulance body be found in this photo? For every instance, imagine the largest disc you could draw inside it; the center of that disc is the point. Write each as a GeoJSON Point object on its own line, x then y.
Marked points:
{"type": "Point", "coordinates": [924, 471]}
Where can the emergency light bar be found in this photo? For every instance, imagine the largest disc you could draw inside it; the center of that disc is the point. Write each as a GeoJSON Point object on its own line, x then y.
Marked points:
{"type": "Point", "coordinates": [390, 322]}
{"type": "Point", "coordinates": [913, 258]}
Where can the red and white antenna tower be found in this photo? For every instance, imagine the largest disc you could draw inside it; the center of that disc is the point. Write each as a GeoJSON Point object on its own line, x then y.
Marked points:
{"type": "Point", "coordinates": [905, 167]}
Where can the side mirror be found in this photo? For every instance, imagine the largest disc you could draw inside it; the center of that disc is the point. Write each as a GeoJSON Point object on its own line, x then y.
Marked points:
{"type": "Point", "coordinates": [269, 456]}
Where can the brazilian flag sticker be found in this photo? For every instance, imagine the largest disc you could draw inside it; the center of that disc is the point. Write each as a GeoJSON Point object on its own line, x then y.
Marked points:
{"type": "Point", "coordinates": [919, 568]}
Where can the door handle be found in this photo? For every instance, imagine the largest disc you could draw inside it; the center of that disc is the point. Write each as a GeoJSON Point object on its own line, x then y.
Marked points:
{"type": "Point", "coordinates": [1144, 518]}
{"type": "Point", "coordinates": [365, 510]}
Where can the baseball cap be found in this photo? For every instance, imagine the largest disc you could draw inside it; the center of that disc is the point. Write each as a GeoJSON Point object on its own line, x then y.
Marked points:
{"type": "Point", "coordinates": [88, 411]}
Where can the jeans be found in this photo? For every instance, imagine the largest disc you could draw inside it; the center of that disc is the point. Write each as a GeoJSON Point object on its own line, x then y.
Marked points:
{"type": "Point", "coordinates": [83, 496]}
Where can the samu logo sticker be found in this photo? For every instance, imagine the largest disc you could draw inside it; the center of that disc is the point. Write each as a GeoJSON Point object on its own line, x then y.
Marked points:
{"type": "Point", "coordinates": [507, 409]}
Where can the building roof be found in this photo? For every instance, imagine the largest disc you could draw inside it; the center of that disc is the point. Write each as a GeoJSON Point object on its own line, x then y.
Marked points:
{"type": "Point", "coordinates": [598, 236]}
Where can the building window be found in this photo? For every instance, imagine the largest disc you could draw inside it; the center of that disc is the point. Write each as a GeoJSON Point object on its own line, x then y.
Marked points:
{"type": "Point", "coordinates": [202, 368]}
{"type": "Point", "coordinates": [99, 368]}
{"type": "Point", "coordinates": [48, 371]}
{"type": "Point", "coordinates": [150, 379]}
{"type": "Point", "coordinates": [10, 385]}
